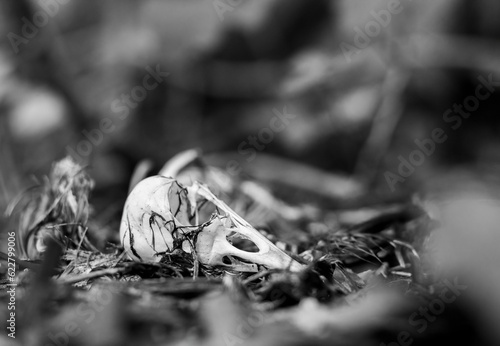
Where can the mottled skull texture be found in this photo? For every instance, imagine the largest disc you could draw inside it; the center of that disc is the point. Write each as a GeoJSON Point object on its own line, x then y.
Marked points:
{"type": "Point", "coordinates": [155, 218]}
{"type": "Point", "coordinates": [161, 217]}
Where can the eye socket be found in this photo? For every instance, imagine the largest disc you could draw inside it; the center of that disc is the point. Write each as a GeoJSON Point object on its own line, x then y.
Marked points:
{"type": "Point", "coordinates": [241, 243]}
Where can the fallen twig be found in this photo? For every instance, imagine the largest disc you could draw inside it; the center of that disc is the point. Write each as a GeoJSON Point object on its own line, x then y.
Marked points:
{"type": "Point", "coordinates": [93, 275]}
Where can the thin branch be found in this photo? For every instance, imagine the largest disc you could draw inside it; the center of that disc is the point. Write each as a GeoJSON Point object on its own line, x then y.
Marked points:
{"type": "Point", "coordinates": [93, 275]}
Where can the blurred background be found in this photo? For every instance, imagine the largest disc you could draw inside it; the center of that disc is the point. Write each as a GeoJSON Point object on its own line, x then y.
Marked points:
{"type": "Point", "coordinates": [363, 80]}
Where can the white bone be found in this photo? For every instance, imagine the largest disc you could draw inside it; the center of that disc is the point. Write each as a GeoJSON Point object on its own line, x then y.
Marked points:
{"type": "Point", "coordinates": [160, 213]}
{"type": "Point", "coordinates": [268, 255]}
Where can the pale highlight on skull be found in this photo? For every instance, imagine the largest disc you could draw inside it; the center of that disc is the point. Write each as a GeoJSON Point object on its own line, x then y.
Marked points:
{"type": "Point", "coordinates": [162, 217]}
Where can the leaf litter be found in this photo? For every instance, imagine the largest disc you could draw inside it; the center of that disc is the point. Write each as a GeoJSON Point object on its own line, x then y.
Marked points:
{"type": "Point", "coordinates": [172, 300]}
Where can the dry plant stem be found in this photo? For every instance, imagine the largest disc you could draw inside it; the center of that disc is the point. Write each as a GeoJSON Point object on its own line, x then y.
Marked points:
{"type": "Point", "coordinates": [140, 172]}
{"type": "Point", "coordinates": [299, 176]}
{"type": "Point", "coordinates": [259, 275]}
{"type": "Point", "coordinates": [418, 51]}
{"type": "Point", "coordinates": [23, 238]}
{"type": "Point", "coordinates": [93, 275]}
{"type": "Point", "coordinates": [383, 126]}
{"type": "Point", "coordinates": [453, 51]}
{"type": "Point", "coordinates": [267, 200]}
{"type": "Point", "coordinates": [180, 161]}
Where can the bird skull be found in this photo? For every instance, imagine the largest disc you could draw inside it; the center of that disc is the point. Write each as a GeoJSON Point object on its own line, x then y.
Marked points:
{"type": "Point", "coordinates": [162, 217]}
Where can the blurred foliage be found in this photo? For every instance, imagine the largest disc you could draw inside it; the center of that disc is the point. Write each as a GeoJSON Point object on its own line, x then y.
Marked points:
{"type": "Point", "coordinates": [230, 68]}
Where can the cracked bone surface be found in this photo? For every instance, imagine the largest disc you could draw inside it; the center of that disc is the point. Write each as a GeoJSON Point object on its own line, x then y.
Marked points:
{"type": "Point", "coordinates": [162, 217]}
